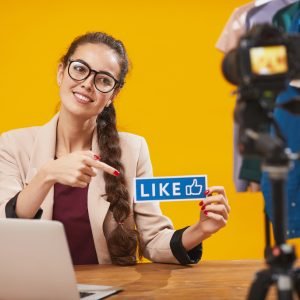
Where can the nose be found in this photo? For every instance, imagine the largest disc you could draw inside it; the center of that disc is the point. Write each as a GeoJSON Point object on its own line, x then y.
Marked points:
{"type": "Point", "coordinates": [88, 82]}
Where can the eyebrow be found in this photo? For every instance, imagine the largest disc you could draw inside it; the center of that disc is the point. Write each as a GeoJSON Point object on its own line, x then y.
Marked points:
{"type": "Point", "coordinates": [101, 71]}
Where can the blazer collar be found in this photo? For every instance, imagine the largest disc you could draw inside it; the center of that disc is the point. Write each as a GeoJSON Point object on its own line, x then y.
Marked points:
{"type": "Point", "coordinates": [43, 151]}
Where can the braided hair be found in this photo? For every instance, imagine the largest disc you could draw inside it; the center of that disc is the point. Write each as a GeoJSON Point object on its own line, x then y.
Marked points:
{"type": "Point", "coordinates": [122, 241]}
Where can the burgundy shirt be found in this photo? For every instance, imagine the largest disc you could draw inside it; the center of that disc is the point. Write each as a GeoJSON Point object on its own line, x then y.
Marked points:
{"type": "Point", "coordinates": [70, 208]}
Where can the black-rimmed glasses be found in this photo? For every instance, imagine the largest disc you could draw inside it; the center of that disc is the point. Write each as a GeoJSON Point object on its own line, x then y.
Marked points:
{"type": "Point", "coordinates": [103, 81]}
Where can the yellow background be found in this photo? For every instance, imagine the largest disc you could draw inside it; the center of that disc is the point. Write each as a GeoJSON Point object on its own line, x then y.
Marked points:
{"type": "Point", "coordinates": [175, 95]}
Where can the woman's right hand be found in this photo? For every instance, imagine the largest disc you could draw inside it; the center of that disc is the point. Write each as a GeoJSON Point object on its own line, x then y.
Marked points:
{"type": "Point", "coordinates": [76, 169]}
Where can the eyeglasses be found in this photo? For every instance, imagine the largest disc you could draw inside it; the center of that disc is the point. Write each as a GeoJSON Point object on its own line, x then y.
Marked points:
{"type": "Point", "coordinates": [103, 81]}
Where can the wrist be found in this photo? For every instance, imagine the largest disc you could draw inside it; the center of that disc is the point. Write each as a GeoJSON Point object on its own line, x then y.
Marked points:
{"type": "Point", "coordinates": [46, 176]}
{"type": "Point", "coordinates": [202, 230]}
{"type": "Point", "coordinates": [194, 235]}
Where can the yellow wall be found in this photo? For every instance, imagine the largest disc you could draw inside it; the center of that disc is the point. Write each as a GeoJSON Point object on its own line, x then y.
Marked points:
{"type": "Point", "coordinates": [175, 94]}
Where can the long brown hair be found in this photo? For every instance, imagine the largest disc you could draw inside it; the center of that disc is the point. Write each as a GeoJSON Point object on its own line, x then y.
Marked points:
{"type": "Point", "coordinates": [122, 241]}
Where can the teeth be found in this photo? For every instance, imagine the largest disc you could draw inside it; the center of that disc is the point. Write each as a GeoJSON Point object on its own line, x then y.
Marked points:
{"type": "Point", "coordinates": [83, 98]}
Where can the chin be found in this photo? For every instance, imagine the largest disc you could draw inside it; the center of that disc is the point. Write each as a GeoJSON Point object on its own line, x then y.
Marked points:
{"type": "Point", "coordinates": [79, 113]}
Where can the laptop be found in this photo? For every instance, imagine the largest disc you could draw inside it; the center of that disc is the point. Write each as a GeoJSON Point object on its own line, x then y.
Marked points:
{"type": "Point", "coordinates": [35, 264]}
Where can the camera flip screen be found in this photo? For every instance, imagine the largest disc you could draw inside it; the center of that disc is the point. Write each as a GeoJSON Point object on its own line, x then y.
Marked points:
{"type": "Point", "coordinates": [269, 60]}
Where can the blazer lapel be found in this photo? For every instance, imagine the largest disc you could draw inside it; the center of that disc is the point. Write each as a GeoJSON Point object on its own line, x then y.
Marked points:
{"type": "Point", "coordinates": [43, 151]}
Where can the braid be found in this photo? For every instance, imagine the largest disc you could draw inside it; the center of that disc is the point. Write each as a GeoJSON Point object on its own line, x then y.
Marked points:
{"type": "Point", "coordinates": [122, 242]}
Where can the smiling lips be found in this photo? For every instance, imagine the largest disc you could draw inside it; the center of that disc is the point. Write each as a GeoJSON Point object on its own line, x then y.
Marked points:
{"type": "Point", "coordinates": [82, 98]}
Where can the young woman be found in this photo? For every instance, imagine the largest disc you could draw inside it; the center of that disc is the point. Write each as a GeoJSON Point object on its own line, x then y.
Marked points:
{"type": "Point", "coordinates": [78, 169]}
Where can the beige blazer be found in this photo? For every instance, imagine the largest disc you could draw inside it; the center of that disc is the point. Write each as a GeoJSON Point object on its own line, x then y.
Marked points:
{"type": "Point", "coordinates": [24, 151]}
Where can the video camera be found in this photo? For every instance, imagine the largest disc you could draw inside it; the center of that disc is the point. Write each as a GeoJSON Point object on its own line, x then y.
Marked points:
{"type": "Point", "coordinates": [265, 61]}
{"type": "Point", "coordinates": [262, 65]}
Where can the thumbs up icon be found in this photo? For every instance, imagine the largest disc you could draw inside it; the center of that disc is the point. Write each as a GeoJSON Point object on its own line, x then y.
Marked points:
{"type": "Point", "coordinates": [193, 189]}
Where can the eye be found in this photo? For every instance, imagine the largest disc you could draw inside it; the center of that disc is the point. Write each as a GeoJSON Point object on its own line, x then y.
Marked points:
{"type": "Point", "coordinates": [78, 71]}
{"type": "Point", "coordinates": [104, 80]}
{"type": "Point", "coordinates": [79, 68]}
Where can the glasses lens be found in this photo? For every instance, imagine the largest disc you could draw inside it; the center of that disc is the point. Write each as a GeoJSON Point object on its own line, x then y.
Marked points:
{"type": "Point", "coordinates": [104, 83]}
{"type": "Point", "coordinates": [78, 71]}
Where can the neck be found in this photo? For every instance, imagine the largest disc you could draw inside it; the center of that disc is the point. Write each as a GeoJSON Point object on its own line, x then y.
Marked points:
{"type": "Point", "coordinates": [73, 133]}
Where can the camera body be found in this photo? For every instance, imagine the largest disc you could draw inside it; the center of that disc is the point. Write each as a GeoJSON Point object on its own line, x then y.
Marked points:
{"type": "Point", "coordinates": [262, 65]}
{"type": "Point", "coordinates": [266, 58]}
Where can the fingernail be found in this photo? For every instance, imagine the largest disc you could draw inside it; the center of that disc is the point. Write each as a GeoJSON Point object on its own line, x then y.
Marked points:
{"type": "Point", "coordinates": [205, 212]}
{"type": "Point", "coordinates": [116, 173]}
{"type": "Point", "coordinates": [201, 203]}
{"type": "Point", "coordinates": [276, 251]}
{"type": "Point", "coordinates": [96, 157]}
{"type": "Point", "coordinates": [206, 192]}
{"type": "Point", "coordinates": [203, 207]}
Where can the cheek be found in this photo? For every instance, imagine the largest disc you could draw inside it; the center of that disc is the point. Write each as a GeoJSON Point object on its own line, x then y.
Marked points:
{"type": "Point", "coordinates": [67, 83]}
{"type": "Point", "coordinates": [102, 99]}
{"type": "Point", "coordinates": [101, 102]}
{"type": "Point", "coordinates": [65, 89]}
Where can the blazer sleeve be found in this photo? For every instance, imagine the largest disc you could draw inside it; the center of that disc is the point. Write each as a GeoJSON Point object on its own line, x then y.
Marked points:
{"type": "Point", "coordinates": [156, 230]}
{"type": "Point", "coordinates": [11, 182]}
{"type": "Point", "coordinates": [161, 242]}
{"type": "Point", "coordinates": [11, 179]}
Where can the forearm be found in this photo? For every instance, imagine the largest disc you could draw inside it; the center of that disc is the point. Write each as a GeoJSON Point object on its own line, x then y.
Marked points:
{"type": "Point", "coordinates": [193, 236]}
{"type": "Point", "coordinates": [33, 195]}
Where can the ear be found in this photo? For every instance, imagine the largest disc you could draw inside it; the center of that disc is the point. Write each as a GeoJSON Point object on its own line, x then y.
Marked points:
{"type": "Point", "coordinates": [112, 98]}
{"type": "Point", "coordinates": [60, 74]}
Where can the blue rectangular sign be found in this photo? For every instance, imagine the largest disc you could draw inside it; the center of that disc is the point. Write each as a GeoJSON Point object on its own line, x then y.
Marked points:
{"type": "Point", "coordinates": [181, 188]}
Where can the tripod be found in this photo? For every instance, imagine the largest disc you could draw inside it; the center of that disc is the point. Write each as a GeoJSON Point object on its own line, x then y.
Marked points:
{"type": "Point", "coordinates": [281, 257]}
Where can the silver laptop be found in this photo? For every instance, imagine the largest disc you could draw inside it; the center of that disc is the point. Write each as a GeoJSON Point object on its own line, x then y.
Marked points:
{"type": "Point", "coordinates": [35, 264]}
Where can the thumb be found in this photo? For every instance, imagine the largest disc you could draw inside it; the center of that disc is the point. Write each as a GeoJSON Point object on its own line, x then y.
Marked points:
{"type": "Point", "coordinates": [194, 182]}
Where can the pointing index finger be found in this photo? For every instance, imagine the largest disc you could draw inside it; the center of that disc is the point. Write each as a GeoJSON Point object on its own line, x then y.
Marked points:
{"type": "Point", "coordinates": [94, 162]}
{"type": "Point", "coordinates": [106, 168]}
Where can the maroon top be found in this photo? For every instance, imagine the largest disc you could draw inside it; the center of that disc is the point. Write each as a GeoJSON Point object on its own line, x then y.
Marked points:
{"type": "Point", "coordinates": [70, 208]}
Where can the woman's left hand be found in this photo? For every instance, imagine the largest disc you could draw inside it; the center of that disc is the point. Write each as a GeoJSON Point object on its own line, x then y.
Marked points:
{"type": "Point", "coordinates": [213, 216]}
{"type": "Point", "coordinates": [214, 210]}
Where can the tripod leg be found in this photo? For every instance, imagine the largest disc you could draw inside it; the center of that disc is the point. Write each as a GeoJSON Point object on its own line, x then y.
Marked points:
{"type": "Point", "coordinates": [267, 236]}
{"type": "Point", "coordinates": [260, 285]}
{"type": "Point", "coordinates": [285, 295]}
{"type": "Point", "coordinates": [285, 287]}
{"type": "Point", "coordinates": [297, 282]}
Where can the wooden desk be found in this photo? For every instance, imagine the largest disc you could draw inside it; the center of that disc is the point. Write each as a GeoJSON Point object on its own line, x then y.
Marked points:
{"type": "Point", "coordinates": [209, 280]}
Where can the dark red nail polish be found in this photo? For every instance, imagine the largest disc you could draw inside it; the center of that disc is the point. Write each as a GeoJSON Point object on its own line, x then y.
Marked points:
{"type": "Point", "coordinates": [200, 203]}
{"type": "Point", "coordinates": [203, 207]}
{"type": "Point", "coordinates": [96, 157]}
{"type": "Point", "coordinates": [205, 212]}
{"type": "Point", "coordinates": [206, 192]}
{"type": "Point", "coordinates": [116, 173]}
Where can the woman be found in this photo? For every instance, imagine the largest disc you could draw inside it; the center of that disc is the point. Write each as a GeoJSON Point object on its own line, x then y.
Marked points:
{"type": "Point", "coordinates": [78, 169]}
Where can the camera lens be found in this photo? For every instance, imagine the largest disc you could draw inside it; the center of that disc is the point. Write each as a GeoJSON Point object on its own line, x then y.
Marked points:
{"type": "Point", "coordinates": [230, 69]}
